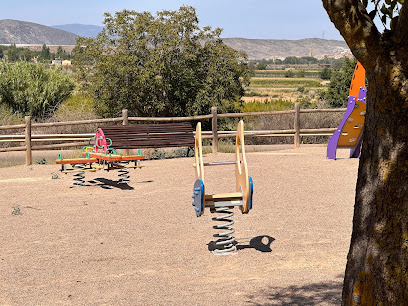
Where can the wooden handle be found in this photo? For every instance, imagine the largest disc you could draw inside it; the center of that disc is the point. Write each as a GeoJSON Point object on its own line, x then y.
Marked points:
{"type": "Point", "coordinates": [199, 164]}
{"type": "Point", "coordinates": [241, 168]}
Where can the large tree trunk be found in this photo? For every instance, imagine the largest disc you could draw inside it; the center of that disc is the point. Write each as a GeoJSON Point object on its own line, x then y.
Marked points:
{"type": "Point", "coordinates": [377, 263]}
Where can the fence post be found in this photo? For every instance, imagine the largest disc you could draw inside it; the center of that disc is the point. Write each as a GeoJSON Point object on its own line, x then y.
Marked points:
{"type": "Point", "coordinates": [296, 125]}
{"type": "Point", "coordinates": [28, 140]}
{"type": "Point", "coordinates": [125, 121]}
{"type": "Point", "coordinates": [214, 129]}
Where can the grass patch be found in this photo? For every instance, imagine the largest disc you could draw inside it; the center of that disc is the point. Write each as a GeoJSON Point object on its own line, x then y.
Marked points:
{"type": "Point", "coordinates": [285, 82]}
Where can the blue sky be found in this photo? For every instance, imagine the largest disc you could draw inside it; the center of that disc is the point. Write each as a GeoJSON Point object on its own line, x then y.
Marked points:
{"type": "Point", "coordinates": [266, 19]}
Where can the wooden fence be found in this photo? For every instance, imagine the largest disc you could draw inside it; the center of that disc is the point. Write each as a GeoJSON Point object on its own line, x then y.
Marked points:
{"type": "Point", "coordinates": [81, 139]}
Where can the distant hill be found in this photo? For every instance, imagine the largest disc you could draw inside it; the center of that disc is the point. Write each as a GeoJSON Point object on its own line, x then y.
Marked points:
{"type": "Point", "coordinates": [23, 32]}
{"type": "Point", "coordinates": [274, 48]}
{"type": "Point", "coordinates": [26, 33]}
{"type": "Point", "coordinates": [84, 30]}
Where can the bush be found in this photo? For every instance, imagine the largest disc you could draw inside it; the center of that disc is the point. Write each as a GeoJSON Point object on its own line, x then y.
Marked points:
{"type": "Point", "coordinates": [30, 89]}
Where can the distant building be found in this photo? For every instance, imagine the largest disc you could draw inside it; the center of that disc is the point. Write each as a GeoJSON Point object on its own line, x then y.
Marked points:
{"type": "Point", "coordinates": [66, 63]}
{"type": "Point", "coordinates": [56, 62]}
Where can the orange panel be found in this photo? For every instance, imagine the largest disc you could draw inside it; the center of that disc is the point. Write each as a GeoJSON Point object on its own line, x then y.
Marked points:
{"type": "Point", "coordinates": [353, 127]}
{"type": "Point", "coordinates": [358, 80]}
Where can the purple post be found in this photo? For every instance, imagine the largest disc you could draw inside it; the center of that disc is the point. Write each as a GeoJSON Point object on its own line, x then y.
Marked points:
{"type": "Point", "coordinates": [332, 145]}
{"type": "Point", "coordinates": [334, 139]}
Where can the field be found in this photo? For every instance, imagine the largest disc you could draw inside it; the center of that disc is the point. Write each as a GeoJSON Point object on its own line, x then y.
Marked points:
{"type": "Point", "coordinates": [300, 85]}
{"type": "Point", "coordinates": [141, 244]}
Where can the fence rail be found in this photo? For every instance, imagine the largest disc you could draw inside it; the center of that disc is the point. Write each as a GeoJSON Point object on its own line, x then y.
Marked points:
{"type": "Point", "coordinates": [214, 134]}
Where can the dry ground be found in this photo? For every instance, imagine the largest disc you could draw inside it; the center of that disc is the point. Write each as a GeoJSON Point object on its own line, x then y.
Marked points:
{"type": "Point", "coordinates": [142, 244]}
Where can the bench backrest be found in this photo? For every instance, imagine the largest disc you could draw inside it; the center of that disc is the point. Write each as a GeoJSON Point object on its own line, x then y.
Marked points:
{"type": "Point", "coordinates": [161, 135]}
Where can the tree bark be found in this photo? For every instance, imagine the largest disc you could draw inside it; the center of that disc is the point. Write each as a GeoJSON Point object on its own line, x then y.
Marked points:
{"type": "Point", "coordinates": [377, 263]}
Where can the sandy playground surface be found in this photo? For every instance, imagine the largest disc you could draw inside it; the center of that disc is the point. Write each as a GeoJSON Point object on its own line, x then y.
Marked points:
{"type": "Point", "coordinates": [142, 244]}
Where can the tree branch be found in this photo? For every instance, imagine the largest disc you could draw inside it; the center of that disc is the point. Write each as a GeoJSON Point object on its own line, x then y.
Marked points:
{"type": "Point", "coordinates": [401, 29]}
{"type": "Point", "coordinates": [358, 30]}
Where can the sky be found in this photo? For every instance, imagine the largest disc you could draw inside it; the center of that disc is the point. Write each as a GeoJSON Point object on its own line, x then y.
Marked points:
{"type": "Point", "coordinates": [262, 19]}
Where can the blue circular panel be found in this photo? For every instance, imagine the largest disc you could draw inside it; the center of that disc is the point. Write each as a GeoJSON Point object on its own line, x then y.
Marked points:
{"type": "Point", "coordinates": [198, 197]}
{"type": "Point", "coordinates": [251, 192]}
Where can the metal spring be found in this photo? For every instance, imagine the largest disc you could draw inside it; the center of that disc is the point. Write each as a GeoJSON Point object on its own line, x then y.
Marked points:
{"type": "Point", "coordinates": [124, 177]}
{"type": "Point", "coordinates": [225, 243]}
{"type": "Point", "coordinates": [79, 177]}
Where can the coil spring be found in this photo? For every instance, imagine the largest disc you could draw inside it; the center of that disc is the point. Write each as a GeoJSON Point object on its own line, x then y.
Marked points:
{"type": "Point", "coordinates": [225, 243]}
{"type": "Point", "coordinates": [124, 177]}
{"type": "Point", "coordinates": [79, 177]}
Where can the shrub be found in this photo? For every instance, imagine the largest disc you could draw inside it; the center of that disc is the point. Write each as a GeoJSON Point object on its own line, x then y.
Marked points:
{"type": "Point", "coordinates": [30, 89]}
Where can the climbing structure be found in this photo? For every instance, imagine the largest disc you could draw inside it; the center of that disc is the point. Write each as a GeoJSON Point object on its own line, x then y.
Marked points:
{"type": "Point", "coordinates": [223, 203]}
{"type": "Point", "coordinates": [350, 131]}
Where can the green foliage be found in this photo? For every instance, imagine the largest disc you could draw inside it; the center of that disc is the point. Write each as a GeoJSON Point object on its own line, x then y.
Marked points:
{"type": "Point", "coordinates": [30, 89]}
{"type": "Point", "coordinates": [387, 11]}
{"type": "Point", "coordinates": [268, 105]}
{"type": "Point", "coordinates": [16, 211]}
{"type": "Point", "coordinates": [325, 74]}
{"type": "Point", "coordinates": [261, 66]}
{"type": "Point", "coordinates": [338, 89]}
{"type": "Point", "coordinates": [289, 74]}
{"type": "Point", "coordinates": [162, 65]}
{"type": "Point", "coordinates": [45, 53]}
{"type": "Point", "coordinates": [300, 73]}
{"type": "Point", "coordinates": [284, 82]}
{"type": "Point", "coordinates": [7, 117]}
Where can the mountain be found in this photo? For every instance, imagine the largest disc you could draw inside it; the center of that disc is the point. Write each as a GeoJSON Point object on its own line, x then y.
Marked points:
{"type": "Point", "coordinates": [274, 48]}
{"type": "Point", "coordinates": [23, 32]}
{"type": "Point", "coordinates": [84, 30]}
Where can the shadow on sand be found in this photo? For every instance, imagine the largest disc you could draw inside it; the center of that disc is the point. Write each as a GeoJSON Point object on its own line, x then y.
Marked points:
{"type": "Point", "coordinates": [324, 293]}
{"type": "Point", "coordinates": [259, 243]}
{"type": "Point", "coordinates": [110, 184]}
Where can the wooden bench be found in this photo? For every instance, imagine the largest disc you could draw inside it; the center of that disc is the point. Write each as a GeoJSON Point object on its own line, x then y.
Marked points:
{"type": "Point", "coordinates": [139, 136]}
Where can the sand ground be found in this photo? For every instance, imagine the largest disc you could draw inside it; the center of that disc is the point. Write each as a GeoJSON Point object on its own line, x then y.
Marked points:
{"type": "Point", "coordinates": [141, 243]}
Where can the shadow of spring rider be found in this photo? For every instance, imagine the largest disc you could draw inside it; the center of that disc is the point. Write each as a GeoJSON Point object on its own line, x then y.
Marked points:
{"type": "Point", "coordinates": [223, 203]}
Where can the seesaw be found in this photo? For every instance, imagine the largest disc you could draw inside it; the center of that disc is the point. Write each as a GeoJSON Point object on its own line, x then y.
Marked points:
{"type": "Point", "coordinates": [101, 155]}
{"type": "Point", "coordinates": [349, 134]}
{"type": "Point", "coordinates": [224, 202]}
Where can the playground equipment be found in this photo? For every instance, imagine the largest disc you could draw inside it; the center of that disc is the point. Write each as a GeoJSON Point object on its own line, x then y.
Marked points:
{"type": "Point", "coordinates": [350, 131]}
{"type": "Point", "coordinates": [101, 155]}
{"type": "Point", "coordinates": [223, 203]}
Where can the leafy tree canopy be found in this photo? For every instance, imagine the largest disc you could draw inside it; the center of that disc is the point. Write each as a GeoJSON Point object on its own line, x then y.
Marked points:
{"type": "Point", "coordinates": [340, 81]}
{"type": "Point", "coordinates": [163, 65]}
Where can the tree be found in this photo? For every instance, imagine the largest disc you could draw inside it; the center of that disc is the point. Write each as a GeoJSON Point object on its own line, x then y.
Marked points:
{"type": "Point", "coordinates": [377, 263]}
{"type": "Point", "coordinates": [45, 53]}
{"type": "Point", "coordinates": [340, 80]}
{"type": "Point", "coordinates": [30, 89]}
{"type": "Point", "coordinates": [60, 53]}
{"type": "Point", "coordinates": [163, 65]}
{"type": "Point", "coordinates": [12, 53]}
{"type": "Point", "coordinates": [325, 74]}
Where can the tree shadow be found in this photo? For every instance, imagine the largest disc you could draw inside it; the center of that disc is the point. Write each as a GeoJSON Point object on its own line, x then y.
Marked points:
{"type": "Point", "coordinates": [323, 293]}
{"type": "Point", "coordinates": [260, 243]}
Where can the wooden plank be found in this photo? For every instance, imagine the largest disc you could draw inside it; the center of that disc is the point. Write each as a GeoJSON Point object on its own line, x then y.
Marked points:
{"type": "Point", "coordinates": [28, 140]}
{"type": "Point", "coordinates": [76, 161]}
{"type": "Point", "coordinates": [223, 196]}
{"type": "Point", "coordinates": [150, 135]}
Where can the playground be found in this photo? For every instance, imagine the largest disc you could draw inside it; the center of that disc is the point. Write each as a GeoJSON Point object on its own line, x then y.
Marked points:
{"type": "Point", "coordinates": [140, 243]}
